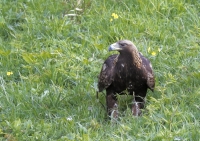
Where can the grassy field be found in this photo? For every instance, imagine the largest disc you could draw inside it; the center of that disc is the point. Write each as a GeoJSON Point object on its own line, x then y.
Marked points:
{"type": "Point", "coordinates": [51, 53]}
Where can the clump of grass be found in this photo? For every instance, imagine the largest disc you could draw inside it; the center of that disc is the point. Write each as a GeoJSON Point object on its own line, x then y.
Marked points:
{"type": "Point", "coordinates": [50, 57]}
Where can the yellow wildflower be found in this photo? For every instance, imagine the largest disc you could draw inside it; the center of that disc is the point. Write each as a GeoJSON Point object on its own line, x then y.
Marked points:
{"type": "Point", "coordinates": [111, 20]}
{"type": "Point", "coordinates": [115, 16]}
{"type": "Point", "coordinates": [9, 73]}
{"type": "Point", "coordinates": [153, 53]}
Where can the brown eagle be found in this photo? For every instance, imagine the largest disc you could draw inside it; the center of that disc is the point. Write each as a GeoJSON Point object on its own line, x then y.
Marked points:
{"type": "Point", "coordinates": [127, 71]}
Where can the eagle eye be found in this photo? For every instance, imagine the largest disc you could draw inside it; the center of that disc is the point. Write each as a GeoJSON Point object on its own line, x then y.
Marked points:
{"type": "Point", "coordinates": [123, 44]}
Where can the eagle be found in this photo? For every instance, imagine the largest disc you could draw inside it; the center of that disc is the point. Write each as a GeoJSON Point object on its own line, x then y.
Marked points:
{"type": "Point", "coordinates": [129, 71]}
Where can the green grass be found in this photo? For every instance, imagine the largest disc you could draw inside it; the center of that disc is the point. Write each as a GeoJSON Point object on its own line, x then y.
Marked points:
{"type": "Point", "coordinates": [55, 60]}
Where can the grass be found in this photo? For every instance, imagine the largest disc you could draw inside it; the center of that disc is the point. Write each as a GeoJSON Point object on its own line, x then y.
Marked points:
{"type": "Point", "coordinates": [56, 58]}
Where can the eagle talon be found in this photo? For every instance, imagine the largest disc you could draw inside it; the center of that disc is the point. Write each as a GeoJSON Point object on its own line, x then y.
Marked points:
{"type": "Point", "coordinates": [114, 114]}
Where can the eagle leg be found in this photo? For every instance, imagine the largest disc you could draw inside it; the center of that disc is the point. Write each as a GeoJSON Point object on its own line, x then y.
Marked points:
{"type": "Point", "coordinates": [138, 103]}
{"type": "Point", "coordinates": [112, 108]}
{"type": "Point", "coordinates": [136, 108]}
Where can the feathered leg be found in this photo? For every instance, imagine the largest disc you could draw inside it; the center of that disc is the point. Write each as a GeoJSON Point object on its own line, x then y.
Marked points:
{"type": "Point", "coordinates": [138, 103]}
{"type": "Point", "coordinates": [111, 102]}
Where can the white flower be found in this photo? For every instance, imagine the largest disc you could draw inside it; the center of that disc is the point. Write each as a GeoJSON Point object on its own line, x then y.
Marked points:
{"type": "Point", "coordinates": [69, 118]}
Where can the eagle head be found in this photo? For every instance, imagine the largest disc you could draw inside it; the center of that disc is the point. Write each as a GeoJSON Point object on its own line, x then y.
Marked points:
{"type": "Point", "coordinates": [122, 45]}
{"type": "Point", "coordinates": [128, 51]}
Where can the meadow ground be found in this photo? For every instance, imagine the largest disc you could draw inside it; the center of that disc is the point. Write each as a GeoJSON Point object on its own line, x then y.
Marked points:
{"type": "Point", "coordinates": [51, 53]}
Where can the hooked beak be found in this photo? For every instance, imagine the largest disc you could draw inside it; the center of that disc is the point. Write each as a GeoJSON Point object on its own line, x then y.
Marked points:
{"type": "Point", "coordinates": [114, 46]}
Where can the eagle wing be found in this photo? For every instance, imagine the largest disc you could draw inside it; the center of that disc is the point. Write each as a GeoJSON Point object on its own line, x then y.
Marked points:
{"type": "Point", "coordinates": [148, 72]}
{"type": "Point", "coordinates": [107, 72]}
